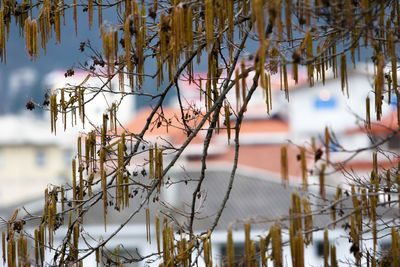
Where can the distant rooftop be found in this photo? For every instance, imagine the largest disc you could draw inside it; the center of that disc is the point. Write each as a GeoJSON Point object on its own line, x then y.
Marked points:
{"type": "Point", "coordinates": [26, 129]}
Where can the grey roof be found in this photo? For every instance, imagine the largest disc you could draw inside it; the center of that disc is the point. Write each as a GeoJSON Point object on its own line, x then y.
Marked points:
{"type": "Point", "coordinates": [250, 198]}
{"type": "Point", "coordinates": [260, 200]}
{"type": "Point", "coordinates": [254, 198]}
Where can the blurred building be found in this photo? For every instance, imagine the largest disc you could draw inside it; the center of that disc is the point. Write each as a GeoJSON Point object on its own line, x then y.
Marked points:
{"type": "Point", "coordinates": [98, 103]}
{"type": "Point", "coordinates": [257, 194]}
{"type": "Point", "coordinates": [31, 158]}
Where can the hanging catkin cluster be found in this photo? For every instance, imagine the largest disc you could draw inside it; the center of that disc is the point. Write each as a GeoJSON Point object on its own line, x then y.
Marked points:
{"type": "Point", "coordinates": [325, 37]}
{"type": "Point", "coordinates": [14, 243]}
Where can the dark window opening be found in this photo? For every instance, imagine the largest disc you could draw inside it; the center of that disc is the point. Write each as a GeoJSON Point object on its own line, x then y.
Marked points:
{"type": "Point", "coordinates": [394, 142]}
{"type": "Point", "coordinates": [240, 254]}
{"type": "Point", "coordinates": [120, 257]}
{"type": "Point", "coordinates": [40, 158]}
{"type": "Point", "coordinates": [319, 248]}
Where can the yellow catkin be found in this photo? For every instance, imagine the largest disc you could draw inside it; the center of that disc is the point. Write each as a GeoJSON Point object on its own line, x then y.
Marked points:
{"type": "Point", "coordinates": [165, 243]}
{"type": "Point", "coordinates": [357, 209]}
{"type": "Point", "coordinates": [120, 176]}
{"type": "Point", "coordinates": [20, 248]}
{"type": "Point", "coordinates": [41, 243]}
{"type": "Point", "coordinates": [159, 166]}
{"type": "Point", "coordinates": [368, 112]}
{"type": "Point", "coordinates": [104, 131]}
{"type": "Point", "coordinates": [127, 44]}
{"type": "Point", "coordinates": [27, 28]}
{"type": "Point", "coordinates": [75, 17]}
{"type": "Point", "coordinates": [304, 171]}
{"type": "Point", "coordinates": [288, 18]}
{"type": "Point", "coordinates": [11, 257]}
{"type": "Point", "coordinates": [258, 7]}
{"type": "Point", "coordinates": [247, 242]}
{"type": "Point", "coordinates": [334, 207]}
{"type": "Point", "coordinates": [75, 240]}
{"type": "Point", "coordinates": [3, 245]}
{"type": "Point", "coordinates": [36, 236]}
{"type": "Point", "coordinates": [207, 256]}
{"type": "Point", "coordinates": [285, 81]}
{"type": "Point", "coordinates": [90, 12]}
{"type": "Point", "coordinates": [53, 112]}
{"type": "Point", "coordinates": [322, 181]}
{"type": "Point", "coordinates": [253, 250]}
{"type": "Point", "coordinates": [379, 86]}
{"type": "Point", "coordinates": [395, 247]}
{"type": "Point", "coordinates": [121, 75]}
{"type": "Point", "coordinates": [263, 250]}
{"type": "Point", "coordinates": [308, 45]}
{"type": "Point", "coordinates": [74, 181]}
{"type": "Point", "coordinates": [295, 211]}
{"type": "Point", "coordinates": [185, 256]}
{"type": "Point", "coordinates": [327, 143]}
{"type": "Point", "coordinates": [189, 34]}
{"type": "Point", "coordinates": [343, 74]}
{"type": "Point", "coordinates": [81, 101]}
{"type": "Point", "coordinates": [62, 198]}
{"type": "Point", "coordinates": [171, 245]}
{"type": "Point", "coordinates": [209, 23]}
{"type": "Point", "coordinates": [151, 162]}
{"type": "Point", "coordinates": [100, 12]}
{"type": "Point", "coordinates": [270, 92]}
{"type": "Point", "coordinates": [333, 256]}
{"type": "Point", "coordinates": [97, 257]}
{"type": "Point", "coordinates": [308, 221]}
{"type": "Point", "coordinates": [276, 241]}
{"type": "Point", "coordinates": [57, 24]}
{"type": "Point", "coordinates": [148, 230]}
{"type": "Point", "coordinates": [244, 83]}
{"type": "Point", "coordinates": [80, 170]}
{"type": "Point", "coordinates": [227, 120]}
{"type": "Point", "coordinates": [158, 234]}
{"type": "Point", "coordinates": [326, 248]}
{"type": "Point", "coordinates": [2, 37]}
{"type": "Point", "coordinates": [292, 245]}
{"type": "Point", "coordinates": [284, 166]}
{"type": "Point", "coordinates": [374, 165]}
{"type": "Point", "coordinates": [334, 61]}
{"type": "Point", "coordinates": [237, 90]}
{"type": "Point", "coordinates": [295, 70]}
{"type": "Point", "coordinates": [79, 146]}
{"type": "Point", "coordinates": [297, 248]}
{"type": "Point", "coordinates": [230, 251]}
{"type": "Point", "coordinates": [354, 235]}
{"type": "Point", "coordinates": [229, 33]}
{"type": "Point", "coordinates": [394, 76]}
{"type": "Point", "coordinates": [103, 184]}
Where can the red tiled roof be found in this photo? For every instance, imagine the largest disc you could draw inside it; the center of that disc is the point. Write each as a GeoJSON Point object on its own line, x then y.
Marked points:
{"type": "Point", "coordinates": [265, 157]}
{"type": "Point", "coordinates": [264, 126]}
{"type": "Point", "coordinates": [170, 124]}
{"type": "Point", "coordinates": [385, 126]}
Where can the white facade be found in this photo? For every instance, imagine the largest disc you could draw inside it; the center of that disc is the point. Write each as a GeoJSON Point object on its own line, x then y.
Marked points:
{"type": "Point", "coordinates": [31, 157]}
{"type": "Point", "coordinates": [312, 108]}
{"type": "Point", "coordinates": [101, 102]}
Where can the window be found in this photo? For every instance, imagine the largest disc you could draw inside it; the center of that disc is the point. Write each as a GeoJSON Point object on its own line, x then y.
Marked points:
{"type": "Point", "coordinates": [394, 142]}
{"type": "Point", "coordinates": [40, 158]}
{"type": "Point", "coordinates": [67, 158]}
{"type": "Point", "coordinates": [325, 100]}
{"type": "Point", "coordinates": [319, 248]}
{"type": "Point", "coordinates": [385, 246]}
{"type": "Point", "coordinates": [240, 254]}
{"type": "Point", "coordinates": [1, 159]}
{"type": "Point", "coordinates": [120, 254]}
